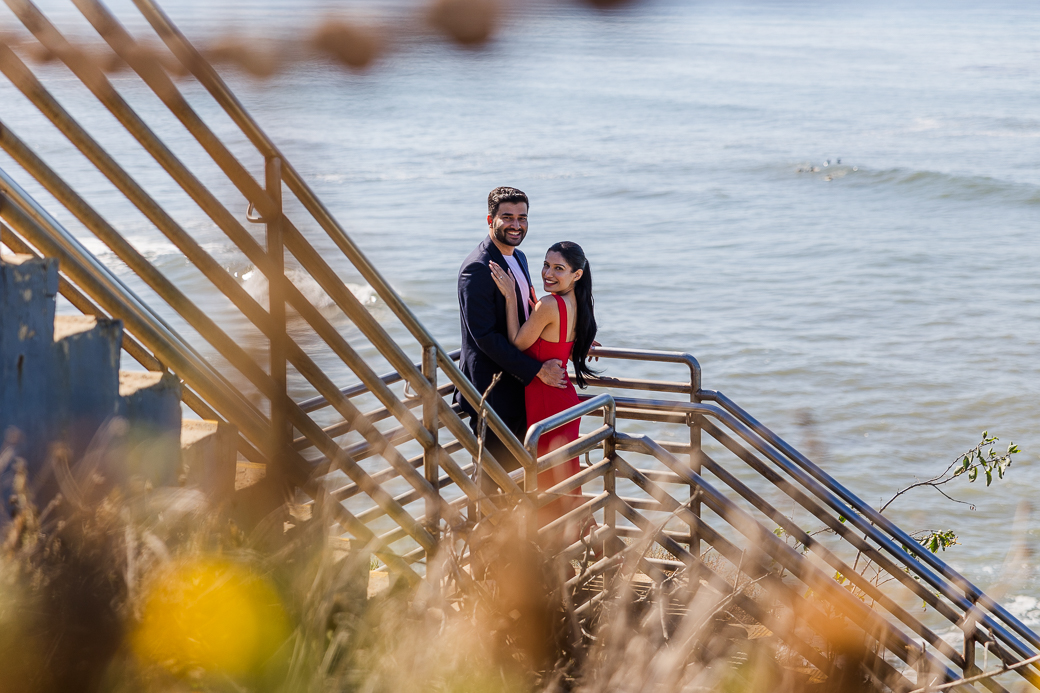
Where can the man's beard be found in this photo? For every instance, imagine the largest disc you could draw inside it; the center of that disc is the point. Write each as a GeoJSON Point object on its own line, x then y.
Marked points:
{"type": "Point", "coordinates": [501, 235]}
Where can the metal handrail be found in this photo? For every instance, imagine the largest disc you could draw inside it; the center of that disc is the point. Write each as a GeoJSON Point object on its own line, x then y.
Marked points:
{"type": "Point", "coordinates": [948, 590]}
{"type": "Point", "coordinates": [99, 85]}
{"type": "Point", "coordinates": [217, 88]}
{"type": "Point", "coordinates": [969, 591]}
{"type": "Point", "coordinates": [28, 217]}
{"type": "Point", "coordinates": [654, 355]}
{"type": "Point", "coordinates": [951, 585]}
{"type": "Point", "coordinates": [294, 240]}
{"type": "Point", "coordinates": [535, 431]}
{"type": "Point", "coordinates": [961, 587]}
{"type": "Point", "coordinates": [778, 550]}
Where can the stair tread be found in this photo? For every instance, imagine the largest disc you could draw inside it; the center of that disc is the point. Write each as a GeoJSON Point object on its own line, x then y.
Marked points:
{"type": "Point", "coordinates": [757, 630]}
{"type": "Point", "coordinates": [248, 473]}
{"type": "Point", "coordinates": [193, 430]}
{"type": "Point", "coordinates": [134, 381]}
{"type": "Point", "coordinates": [68, 325]}
{"type": "Point", "coordinates": [15, 258]}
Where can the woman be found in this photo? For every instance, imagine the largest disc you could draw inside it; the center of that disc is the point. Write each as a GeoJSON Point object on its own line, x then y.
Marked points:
{"type": "Point", "coordinates": [562, 326]}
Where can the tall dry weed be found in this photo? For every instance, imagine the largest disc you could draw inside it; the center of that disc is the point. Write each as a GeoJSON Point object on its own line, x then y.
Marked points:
{"type": "Point", "coordinates": [138, 589]}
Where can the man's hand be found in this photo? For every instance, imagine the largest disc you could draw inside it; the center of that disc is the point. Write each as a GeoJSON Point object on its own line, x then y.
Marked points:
{"type": "Point", "coordinates": [552, 374]}
{"type": "Point", "coordinates": [595, 344]}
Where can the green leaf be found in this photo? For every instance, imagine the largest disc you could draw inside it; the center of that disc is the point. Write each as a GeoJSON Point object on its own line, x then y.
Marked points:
{"type": "Point", "coordinates": [989, 476]}
{"type": "Point", "coordinates": [939, 539]}
{"type": "Point", "coordinates": [974, 474]}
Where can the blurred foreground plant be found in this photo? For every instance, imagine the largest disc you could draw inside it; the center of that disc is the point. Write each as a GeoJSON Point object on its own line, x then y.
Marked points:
{"type": "Point", "coordinates": [142, 589]}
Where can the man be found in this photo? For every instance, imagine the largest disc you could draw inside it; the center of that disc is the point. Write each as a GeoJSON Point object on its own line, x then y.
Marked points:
{"type": "Point", "coordinates": [486, 349]}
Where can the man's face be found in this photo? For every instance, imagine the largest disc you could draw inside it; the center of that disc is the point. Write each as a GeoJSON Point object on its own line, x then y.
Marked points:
{"type": "Point", "coordinates": [509, 225]}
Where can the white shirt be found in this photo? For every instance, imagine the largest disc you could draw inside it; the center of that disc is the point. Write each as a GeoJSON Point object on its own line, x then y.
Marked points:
{"type": "Point", "coordinates": [521, 281]}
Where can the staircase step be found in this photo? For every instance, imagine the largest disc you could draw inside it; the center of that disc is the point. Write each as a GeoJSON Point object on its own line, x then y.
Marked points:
{"type": "Point", "coordinates": [208, 454]}
{"type": "Point", "coordinates": [151, 404]}
{"type": "Point", "coordinates": [69, 325]}
{"type": "Point", "coordinates": [249, 473]}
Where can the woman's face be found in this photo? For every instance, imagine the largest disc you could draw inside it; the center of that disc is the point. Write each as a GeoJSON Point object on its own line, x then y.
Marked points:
{"type": "Point", "coordinates": [557, 276]}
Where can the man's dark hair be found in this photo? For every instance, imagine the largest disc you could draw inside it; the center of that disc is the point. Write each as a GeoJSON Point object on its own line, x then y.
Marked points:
{"type": "Point", "coordinates": [504, 194]}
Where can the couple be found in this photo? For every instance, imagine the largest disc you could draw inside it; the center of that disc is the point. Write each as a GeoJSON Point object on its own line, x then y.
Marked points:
{"type": "Point", "coordinates": [506, 329]}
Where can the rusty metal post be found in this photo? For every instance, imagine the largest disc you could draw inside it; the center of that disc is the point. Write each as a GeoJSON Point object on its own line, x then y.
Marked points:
{"type": "Point", "coordinates": [281, 430]}
{"type": "Point", "coordinates": [431, 466]}
{"type": "Point", "coordinates": [968, 627]}
{"type": "Point", "coordinates": [609, 477]}
{"type": "Point", "coordinates": [531, 491]}
{"type": "Point", "coordinates": [695, 459]}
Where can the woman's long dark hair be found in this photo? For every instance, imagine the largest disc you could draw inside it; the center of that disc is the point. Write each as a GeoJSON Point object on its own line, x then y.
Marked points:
{"type": "Point", "coordinates": [585, 323]}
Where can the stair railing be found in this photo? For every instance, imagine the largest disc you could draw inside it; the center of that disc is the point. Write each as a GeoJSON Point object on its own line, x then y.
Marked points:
{"type": "Point", "coordinates": [852, 529]}
{"type": "Point", "coordinates": [267, 428]}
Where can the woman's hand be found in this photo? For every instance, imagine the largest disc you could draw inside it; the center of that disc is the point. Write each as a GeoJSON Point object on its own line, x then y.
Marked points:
{"type": "Point", "coordinates": [503, 280]}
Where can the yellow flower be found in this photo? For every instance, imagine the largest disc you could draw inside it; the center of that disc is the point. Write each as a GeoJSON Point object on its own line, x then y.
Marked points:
{"type": "Point", "coordinates": [211, 614]}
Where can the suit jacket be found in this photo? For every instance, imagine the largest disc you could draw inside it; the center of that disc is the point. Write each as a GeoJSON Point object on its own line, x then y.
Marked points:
{"type": "Point", "coordinates": [486, 349]}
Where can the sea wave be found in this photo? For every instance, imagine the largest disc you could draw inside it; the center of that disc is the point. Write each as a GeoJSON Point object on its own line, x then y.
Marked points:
{"type": "Point", "coordinates": [152, 247]}
{"type": "Point", "coordinates": [1023, 607]}
{"type": "Point", "coordinates": [951, 185]}
{"type": "Point", "coordinates": [1026, 608]}
{"type": "Point", "coordinates": [256, 284]}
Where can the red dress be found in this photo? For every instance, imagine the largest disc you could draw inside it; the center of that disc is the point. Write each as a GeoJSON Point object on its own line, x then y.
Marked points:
{"type": "Point", "coordinates": [543, 401]}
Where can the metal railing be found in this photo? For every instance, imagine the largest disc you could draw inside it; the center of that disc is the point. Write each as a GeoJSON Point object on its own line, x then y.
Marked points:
{"type": "Point", "coordinates": [706, 488]}
{"type": "Point", "coordinates": [881, 602]}
{"type": "Point", "coordinates": [266, 415]}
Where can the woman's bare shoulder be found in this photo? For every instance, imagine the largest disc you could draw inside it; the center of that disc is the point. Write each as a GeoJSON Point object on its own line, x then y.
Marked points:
{"type": "Point", "coordinates": [547, 306]}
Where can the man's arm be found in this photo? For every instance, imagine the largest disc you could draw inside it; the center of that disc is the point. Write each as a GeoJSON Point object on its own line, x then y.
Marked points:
{"type": "Point", "coordinates": [477, 293]}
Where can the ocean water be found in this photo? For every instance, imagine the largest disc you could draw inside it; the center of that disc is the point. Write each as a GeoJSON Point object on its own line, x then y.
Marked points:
{"type": "Point", "coordinates": [833, 206]}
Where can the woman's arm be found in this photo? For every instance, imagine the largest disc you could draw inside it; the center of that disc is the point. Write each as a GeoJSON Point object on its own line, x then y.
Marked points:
{"type": "Point", "coordinates": [544, 313]}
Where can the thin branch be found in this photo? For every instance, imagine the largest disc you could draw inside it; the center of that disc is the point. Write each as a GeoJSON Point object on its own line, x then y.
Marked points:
{"type": "Point", "coordinates": [968, 463]}
{"type": "Point", "coordinates": [955, 500]}
{"type": "Point", "coordinates": [986, 675]}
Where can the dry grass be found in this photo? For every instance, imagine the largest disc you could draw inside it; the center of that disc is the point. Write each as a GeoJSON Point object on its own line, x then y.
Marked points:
{"type": "Point", "coordinates": [141, 589]}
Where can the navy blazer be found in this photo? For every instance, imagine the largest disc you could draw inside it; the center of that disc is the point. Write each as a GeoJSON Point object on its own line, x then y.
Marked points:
{"type": "Point", "coordinates": [486, 349]}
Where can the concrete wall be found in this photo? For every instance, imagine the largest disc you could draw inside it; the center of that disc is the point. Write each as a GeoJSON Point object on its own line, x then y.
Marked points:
{"type": "Point", "coordinates": [60, 385]}
{"type": "Point", "coordinates": [27, 292]}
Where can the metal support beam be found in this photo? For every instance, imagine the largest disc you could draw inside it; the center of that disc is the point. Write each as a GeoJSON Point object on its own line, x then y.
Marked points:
{"type": "Point", "coordinates": [430, 420]}
{"type": "Point", "coordinates": [281, 430]}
